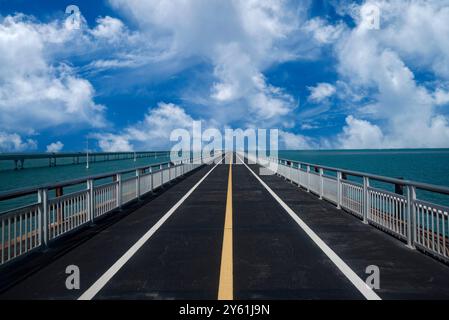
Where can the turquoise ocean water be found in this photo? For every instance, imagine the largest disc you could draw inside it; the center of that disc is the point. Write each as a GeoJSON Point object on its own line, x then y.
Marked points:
{"type": "Point", "coordinates": [423, 165]}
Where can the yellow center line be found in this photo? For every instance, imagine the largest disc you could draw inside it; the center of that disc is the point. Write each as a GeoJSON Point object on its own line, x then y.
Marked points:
{"type": "Point", "coordinates": [226, 286]}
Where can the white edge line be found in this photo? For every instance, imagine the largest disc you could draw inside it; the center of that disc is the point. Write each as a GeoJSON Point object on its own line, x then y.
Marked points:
{"type": "Point", "coordinates": [364, 289]}
{"type": "Point", "coordinates": [90, 293]}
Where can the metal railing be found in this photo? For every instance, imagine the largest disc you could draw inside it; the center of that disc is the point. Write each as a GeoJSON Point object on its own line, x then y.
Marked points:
{"type": "Point", "coordinates": [30, 227]}
{"type": "Point", "coordinates": [421, 224]}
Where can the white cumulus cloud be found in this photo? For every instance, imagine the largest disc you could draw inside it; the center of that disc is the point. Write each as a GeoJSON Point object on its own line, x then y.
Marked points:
{"type": "Point", "coordinates": [109, 28]}
{"type": "Point", "coordinates": [323, 32]}
{"type": "Point", "coordinates": [321, 92]}
{"type": "Point", "coordinates": [13, 142]}
{"type": "Point", "coordinates": [360, 134]}
{"type": "Point", "coordinates": [34, 92]}
{"type": "Point", "coordinates": [153, 132]}
{"type": "Point", "coordinates": [382, 61]}
{"type": "Point", "coordinates": [55, 147]}
{"type": "Point", "coordinates": [294, 141]}
{"type": "Point", "coordinates": [240, 39]}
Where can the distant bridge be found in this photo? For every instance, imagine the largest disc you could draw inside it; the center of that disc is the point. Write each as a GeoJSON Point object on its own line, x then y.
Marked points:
{"type": "Point", "coordinates": [18, 159]}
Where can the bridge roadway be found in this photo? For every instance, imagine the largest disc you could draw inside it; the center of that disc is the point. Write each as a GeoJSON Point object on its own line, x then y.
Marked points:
{"type": "Point", "coordinates": [220, 232]}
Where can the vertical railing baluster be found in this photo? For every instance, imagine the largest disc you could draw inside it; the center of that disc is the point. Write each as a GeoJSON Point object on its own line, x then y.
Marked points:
{"type": "Point", "coordinates": [151, 175]}
{"type": "Point", "coordinates": [119, 190]}
{"type": "Point", "coordinates": [26, 230]}
{"type": "Point", "coordinates": [14, 222]}
{"type": "Point", "coordinates": [339, 187]}
{"type": "Point", "coordinates": [161, 174]}
{"type": "Point", "coordinates": [443, 224]}
{"type": "Point", "coordinates": [365, 199]}
{"type": "Point", "coordinates": [308, 178]}
{"type": "Point", "coordinates": [411, 228]}
{"type": "Point", "coordinates": [9, 239]}
{"type": "Point", "coordinates": [321, 171]}
{"type": "Point", "coordinates": [90, 200]}
{"type": "Point", "coordinates": [138, 183]}
{"type": "Point", "coordinates": [2, 258]}
{"type": "Point", "coordinates": [43, 216]}
{"type": "Point", "coordinates": [438, 230]}
{"type": "Point", "coordinates": [278, 173]}
{"type": "Point", "coordinates": [291, 172]}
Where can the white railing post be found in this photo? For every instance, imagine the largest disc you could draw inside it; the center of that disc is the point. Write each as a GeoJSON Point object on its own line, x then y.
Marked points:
{"type": "Point", "coordinates": [339, 176]}
{"type": "Point", "coordinates": [291, 172]}
{"type": "Point", "coordinates": [138, 183]}
{"type": "Point", "coordinates": [43, 216]}
{"type": "Point", "coordinates": [169, 172]}
{"type": "Point", "coordinates": [119, 190]}
{"type": "Point", "coordinates": [280, 168]}
{"type": "Point", "coordinates": [151, 175]}
{"type": "Point", "coordinates": [278, 173]}
{"type": "Point", "coordinates": [366, 204]}
{"type": "Point", "coordinates": [286, 170]}
{"type": "Point", "coordinates": [321, 184]}
{"type": "Point", "coordinates": [411, 223]}
{"type": "Point", "coordinates": [90, 200]}
{"type": "Point", "coordinates": [308, 178]}
{"type": "Point", "coordinates": [161, 173]}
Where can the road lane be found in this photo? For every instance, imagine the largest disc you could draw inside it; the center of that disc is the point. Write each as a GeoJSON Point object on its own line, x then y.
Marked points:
{"type": "Point", "coordinates": [273, 257]}
{"type": "Point", "coordinates": [182, 259]}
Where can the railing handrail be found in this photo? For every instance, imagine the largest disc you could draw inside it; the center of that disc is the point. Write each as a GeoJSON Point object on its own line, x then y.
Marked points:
{"type": "Point", "coordinates": [30, 190]}
{"type": "Point", "coordinates": [416, 184]}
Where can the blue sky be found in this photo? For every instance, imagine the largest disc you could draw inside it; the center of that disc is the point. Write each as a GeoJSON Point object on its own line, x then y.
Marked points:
{"type": "Point", "coordinates": [135, 70]}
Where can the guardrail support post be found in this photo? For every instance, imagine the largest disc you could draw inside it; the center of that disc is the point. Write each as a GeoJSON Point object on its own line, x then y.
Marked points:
{"type": "Point", "coordinates": [119, 190]}
{"type": "Point", "coordinates": [308, 178]}
{"type": "Point", "coordinates": [43, 216]}
{"type": "Point", "coordinates": [366, 204]}
{"type": "Point", "coordinates": [339, 176]}
{"type": "Point", "coordinates": [283, 174]}
{"type": "Point", "coordinates": [291, 172]}
{"type": "Point", "coordinates": [90, 200]}
{"type": "Point", "coordinates": [138, 184]}
{"type": "Point", "coordinates": [278, 173]}
{"type": "Point", "coordinates": [411, 223]}
{"type": "Point", "coordinates": [321, 184]}
{"type": "Point", "coordinates": [150, 170]}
